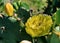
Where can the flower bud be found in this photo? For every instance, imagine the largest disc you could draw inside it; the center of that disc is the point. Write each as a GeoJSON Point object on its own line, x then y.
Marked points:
{"type": "Point", "coordinates": [9, 9]}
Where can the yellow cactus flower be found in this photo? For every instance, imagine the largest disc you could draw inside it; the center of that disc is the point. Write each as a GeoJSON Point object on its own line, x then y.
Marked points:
{"type": "Point", "coordinates": [9, 9]}
{"type": "Point", "coordinates": [38, 25]}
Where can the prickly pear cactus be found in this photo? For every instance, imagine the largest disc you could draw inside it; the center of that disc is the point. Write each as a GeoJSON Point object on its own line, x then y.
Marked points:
{"type": "Point", "coordinates": [29, 21]}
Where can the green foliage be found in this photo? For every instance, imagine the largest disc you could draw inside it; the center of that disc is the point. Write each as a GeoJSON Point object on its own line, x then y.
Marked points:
{"type": "Point", "coordinates": [54, 39]}
{"type": "Point", "coordinates": [19, 4]}
{"type": "Point", "coordinates": [36, 4]}
{"type": "Point", "coordinates": [25, 6]}
{"type": "Point", "coordinates": [12, 29]}
{"type": "Point", "coordinates": [57, 17]}
{"type": "Point", "coordinates": [15, 5]}
{"type": "Point", "coordinates": [12, 19]}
